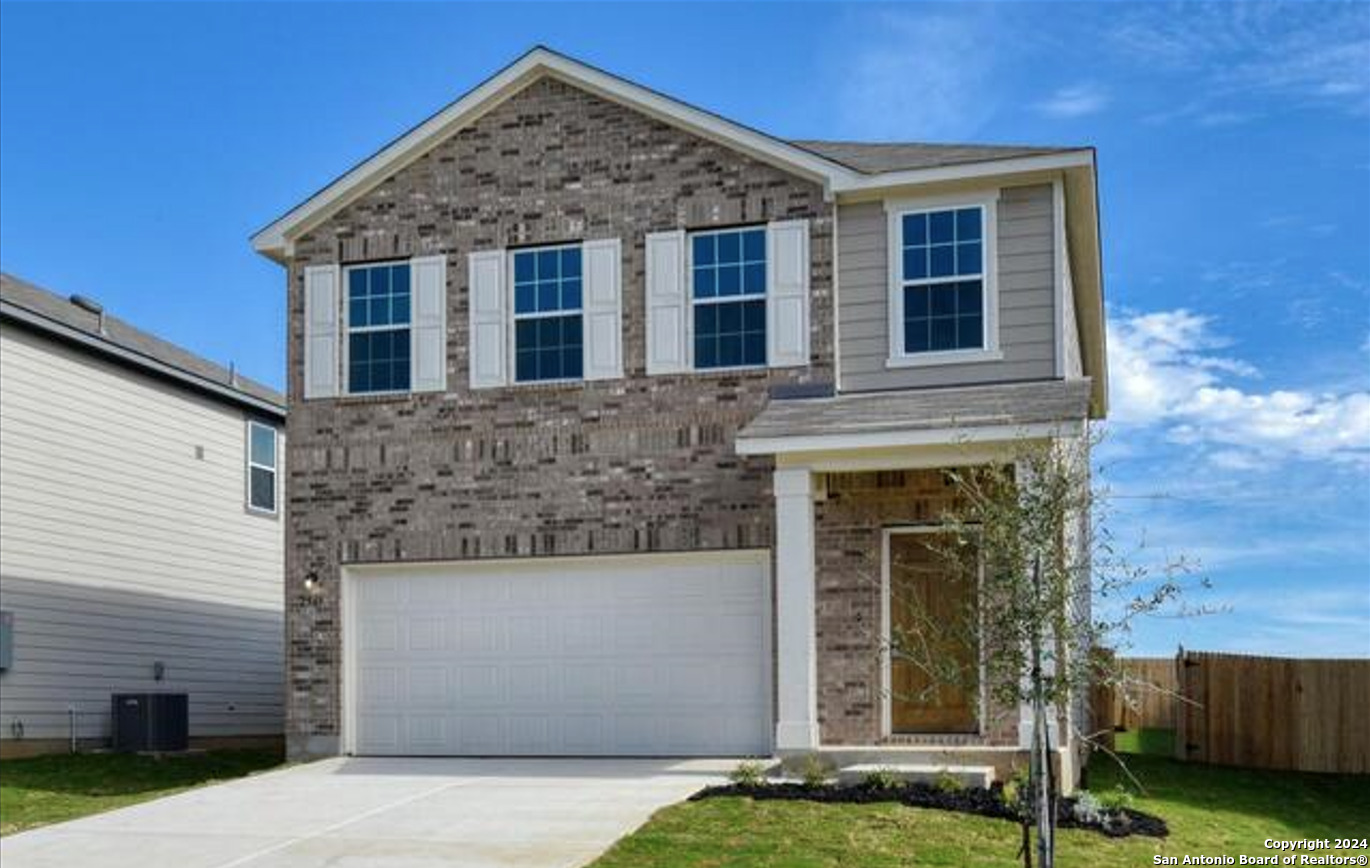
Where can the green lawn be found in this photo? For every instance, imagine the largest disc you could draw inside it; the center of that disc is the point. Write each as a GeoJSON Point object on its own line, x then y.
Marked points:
{"type": "Point", "coordinates": [1211, 811]}
{"type": "Point", "coordinates": [1157, 742]}
{"type": "Point", "coordinates": [49, 789]}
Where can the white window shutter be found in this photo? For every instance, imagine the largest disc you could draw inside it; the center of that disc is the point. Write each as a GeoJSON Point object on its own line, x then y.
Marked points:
{"type": "Point", "coordinates": [668, 303]}
{"type": "Point", "coordinates": [428, 348]}
{"type": "Point", "coordinates": [321, 331]}
{"type": "Point", "coordinates": [787, 293]}
{"type": "Point", "coordinates": [489, 326]}
{"type": "Point", "coordinates": [603, 309]}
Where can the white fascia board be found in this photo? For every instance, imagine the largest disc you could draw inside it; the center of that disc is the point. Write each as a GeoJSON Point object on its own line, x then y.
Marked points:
{"type": "Point", "coordinates": [911, 437]}
{"type": "Point", "coordinates": [1082, 158]}
{"type": "Point", "coordinates": [274, 238]}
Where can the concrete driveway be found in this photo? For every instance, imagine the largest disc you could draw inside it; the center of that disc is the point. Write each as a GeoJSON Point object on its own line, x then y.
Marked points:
{"type": "Point", "coordinates": [385, 813]}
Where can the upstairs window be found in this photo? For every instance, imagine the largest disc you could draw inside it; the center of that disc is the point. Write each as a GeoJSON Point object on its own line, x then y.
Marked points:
{"type": "Point", "coordinates": [261, 468]}
{"type": "Point", "coordinates": [378, 328]}
{"type": "Point", "coordinates": [942, 279]}
{"type": "Point", "coordinates": [548, 326]}
{"type": "Point", "coordinates": [728, 295]}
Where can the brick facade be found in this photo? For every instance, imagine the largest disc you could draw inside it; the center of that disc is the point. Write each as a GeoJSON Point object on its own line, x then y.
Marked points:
{"type": "Point", "coordinates": [640, 464]}
{"type": "Point", "coordinates": [849, 524]}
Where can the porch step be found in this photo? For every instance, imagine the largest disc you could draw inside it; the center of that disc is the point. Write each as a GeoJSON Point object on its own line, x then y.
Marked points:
{"type": "Point", "coordinates": [968, 776]}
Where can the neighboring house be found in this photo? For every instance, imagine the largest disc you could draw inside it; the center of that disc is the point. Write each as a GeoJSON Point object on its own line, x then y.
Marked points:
{"type": "Point", "coordinates": [141, 529]}
{"type": "Point", "coordinates": [606, 412]}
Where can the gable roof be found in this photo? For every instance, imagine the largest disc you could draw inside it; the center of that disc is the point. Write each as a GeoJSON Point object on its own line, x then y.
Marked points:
{"type": "Point", "coordinates": [843, 168]}
{"type": "Point", "coordinates": [48, 313]}
{"type": "Point", "coordinates": [838, 166]}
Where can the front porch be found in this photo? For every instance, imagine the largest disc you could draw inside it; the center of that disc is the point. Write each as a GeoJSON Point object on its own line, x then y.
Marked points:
{"type": "Point", "coordinates": [859, 480]}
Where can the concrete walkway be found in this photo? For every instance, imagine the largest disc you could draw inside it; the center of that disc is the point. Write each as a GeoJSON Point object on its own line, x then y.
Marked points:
{"type": "Point", "coordinates": [385, 813]}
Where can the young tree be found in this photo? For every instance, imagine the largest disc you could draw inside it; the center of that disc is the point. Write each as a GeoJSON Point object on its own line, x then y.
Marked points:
{"type": "Point", "coordinates": [1029, 536]}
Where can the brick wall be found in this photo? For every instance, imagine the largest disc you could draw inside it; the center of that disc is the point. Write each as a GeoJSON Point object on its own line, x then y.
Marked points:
{"type": "Point", "coordinates": [849, 525]}
{"type": "Point", "coordinates": [634, 465]}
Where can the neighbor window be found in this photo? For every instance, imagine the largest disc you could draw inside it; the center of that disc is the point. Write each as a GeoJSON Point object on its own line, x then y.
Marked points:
{"type": "Point", "coordinates": [728, 293]}
{"type": "Point", "coordinates": [261, 467]}
{"type": "Point", "coordinates": [547, 314]}
{"type": "Point", "coordinates": [378, 320]}
{"type": "Point", "coordinates": [942, 280]}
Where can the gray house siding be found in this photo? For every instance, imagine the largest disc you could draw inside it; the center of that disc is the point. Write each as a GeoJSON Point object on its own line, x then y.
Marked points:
{"type": "Point", "coordinates": [1026, 280]}
{"type": "Point", "coordinates": [124, 542]}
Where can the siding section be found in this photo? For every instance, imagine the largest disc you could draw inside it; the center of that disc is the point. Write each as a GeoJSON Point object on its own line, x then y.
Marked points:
{"type": "Point", "coordinates": [120, 548]}
{"type": "Point", "coordinates": [1026, 308]}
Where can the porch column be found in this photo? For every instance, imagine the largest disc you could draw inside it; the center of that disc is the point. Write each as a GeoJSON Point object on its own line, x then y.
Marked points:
{"type": "Point", "coordinates": [796, 727]}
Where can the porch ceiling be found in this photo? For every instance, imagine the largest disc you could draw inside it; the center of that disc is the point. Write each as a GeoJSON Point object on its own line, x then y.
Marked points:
{"type": "Point", "coordinates": [923, 416]}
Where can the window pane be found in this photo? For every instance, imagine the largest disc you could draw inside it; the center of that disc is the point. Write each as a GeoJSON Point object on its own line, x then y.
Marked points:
{"type": "Point", "coordinates": [525, 268]}
{"type": "Point", "coordinates": [968, 258]}
{"type": "Point", "coordinates": [915, 229]}
{"type": "Point", "coordinates": [399, 309]}
{"type": "Point", "coordinates": [378, 361]}
{"type": "Point", "coordinates": [526, 365]}
{"type": "Point", "coordinates": [940, 262]}
{"type": "Point", "coordinates": [968, 224]}
{"type": "Point", "coordinates": [262, 489]}
{"type": "Point", "coordinates": [380, 310]}
{"type": "Point", "coordinates": [916, 302]}
{"type": "Point", "coordinates": [754, 278]}
{"type": "Point", "coordinates": [356, 283]}
{"type": "Point", "coordinates": [943, 333]}
{"type": "Point", "coordinates": [754, 348]}
{"type": "Point", "coordinates": [706, 348]}
{"type": "Point", "coordinates": [754, 316]}
{"type": "Point", "coordinates": [572, 361]}
{"type": "Point", "coordinates": [969, 295]}
{"type": "Point", "coordinates": [399, 279]}
{"type": "Point", "coordinates": [730, 334]}
{"type": "Point", "coordinates": [754, 245]}
{"type": "Point", "coordinates": [570, 294]}
{"type": "Point", "coordinates": [547, 295]}
{"type": "Point", "coordinates": [916, 335]}
{"type": "Point", "coordinates": [380, 281]}
{"type": "Point", "coordinates": [729, 247]}
{"type": "Point", "coordinates": [970, 332]}
{"type": "Point", "coordinates": [357, 379]}
{"type": "Point", "coordinates": [263, 445]}
{"type": "Point", "coordinates": [525, 298]}
{"type": "Point", "coordinates": [570, 262]}
{"type": "Point", "coordinates": [940, 227]}
{"type": "Point", "coordinates": [706, 285]}
{"type": "Point", "coordinates": [703, 250]}
{"type": "Point", "coordinates": [356, 313]}
{"type": "Point", "coordinates": [706, 319]}
{"type": "Point", "coordinates": [548, 264]}
{"type": "Point", "coordinates": [729, 280]}
{"type": "Point", "coordinates": [729, 349]}
{"type": "Point", "coordinates": [548, 348]}
{"type": "Point", "coordinates": [944, 300]}
{"type": "Point", "coordinates": [916, 263]}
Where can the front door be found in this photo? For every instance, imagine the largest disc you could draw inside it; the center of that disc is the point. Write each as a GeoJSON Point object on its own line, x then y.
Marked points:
{"type": "Point", "coordinates": [934, 676]}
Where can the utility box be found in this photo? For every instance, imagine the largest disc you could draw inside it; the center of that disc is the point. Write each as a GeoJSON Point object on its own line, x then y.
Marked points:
{"type": "Point", "coordinates": [151, 721]}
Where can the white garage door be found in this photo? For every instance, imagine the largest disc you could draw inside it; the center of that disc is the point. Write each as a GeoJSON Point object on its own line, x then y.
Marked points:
{"type": "Point", "coordinates": [663, 655]}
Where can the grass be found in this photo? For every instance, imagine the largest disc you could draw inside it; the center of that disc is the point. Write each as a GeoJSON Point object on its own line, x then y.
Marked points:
{"type": "Point", "coordinates": [1156, 742]}
{"type": "Point", "coordinates": [50, 789]}
{"type": "Point", "coordinates": [1211, 811]}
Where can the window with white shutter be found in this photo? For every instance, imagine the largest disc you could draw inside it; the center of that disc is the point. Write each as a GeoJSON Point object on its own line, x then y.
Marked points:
{"type": "Point", "coordinates": [321, 331]}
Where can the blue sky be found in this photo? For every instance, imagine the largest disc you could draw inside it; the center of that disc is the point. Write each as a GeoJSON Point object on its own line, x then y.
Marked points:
{"type": "Point", "coordinates": [141, 144]}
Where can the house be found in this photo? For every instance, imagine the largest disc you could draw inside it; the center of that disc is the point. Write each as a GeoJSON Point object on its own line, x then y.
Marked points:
{"type": "Point", "coordinates": [605, 412]}
{"type": "Point", "coordinates": [141, 532]}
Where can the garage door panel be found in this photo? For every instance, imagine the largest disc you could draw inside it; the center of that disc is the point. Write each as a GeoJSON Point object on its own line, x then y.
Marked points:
{"type": "Point", "coordinates": [570, 658]}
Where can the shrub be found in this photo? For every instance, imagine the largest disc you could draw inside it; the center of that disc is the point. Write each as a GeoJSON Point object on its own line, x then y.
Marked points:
{"type": "Point", "coordinates": [947, 782]}
{"type": "Point", "coordinates": [748, 774]}
{"type": "Point", "coordinates": [880, 779]}
{"type": "Point", "coordinates": [1088, 808]}
{"type": "Point", "coordinates": [1116, 799]}
{"type": "Point", "coordinates": [813, 771]}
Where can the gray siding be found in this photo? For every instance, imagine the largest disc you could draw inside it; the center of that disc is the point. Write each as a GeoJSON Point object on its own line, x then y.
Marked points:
{"type": "Point", "coordinates": [119, 548]}
{"type": "Point", "coordinates": [1026, 269]}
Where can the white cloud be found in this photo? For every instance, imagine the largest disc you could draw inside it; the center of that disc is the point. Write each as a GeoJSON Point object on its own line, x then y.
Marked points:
{"type": "Point", "coordinates": [922, 76]}
{"type": "Point", "coordinates": [1310, 54]}
{"type": "Point", "coordinates": [1165, 373]}
{"type": "Point", "coordinates": [1075, 101]}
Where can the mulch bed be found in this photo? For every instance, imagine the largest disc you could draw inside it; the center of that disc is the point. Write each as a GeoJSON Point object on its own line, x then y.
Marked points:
{"type": "Point", "coordinates": [970, 800]}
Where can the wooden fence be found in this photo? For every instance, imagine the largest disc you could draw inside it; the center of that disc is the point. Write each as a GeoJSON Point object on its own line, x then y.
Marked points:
{"type": "Point", "coordinates": [1260, 712]}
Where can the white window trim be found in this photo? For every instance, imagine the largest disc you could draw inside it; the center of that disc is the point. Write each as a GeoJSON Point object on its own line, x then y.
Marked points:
{"type": "Point", "coordinates": [690, 235]}
{"type": "Point", "coordinates": [344, 351]}
{"type": "Point", "coordinates": [886, 640]}
{"type": "Point", "coordinates": [251, 465]}
{"type": "Point", "coordinates": [895, 209]}
{"type": "Point", "coordinates": [512, 316]}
